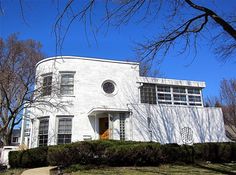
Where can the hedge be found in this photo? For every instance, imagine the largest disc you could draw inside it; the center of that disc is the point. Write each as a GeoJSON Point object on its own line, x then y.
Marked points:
{"type": "Point", "coordinates": [118, 153]}
{"type": "Point", "coordinates": [30, 158]}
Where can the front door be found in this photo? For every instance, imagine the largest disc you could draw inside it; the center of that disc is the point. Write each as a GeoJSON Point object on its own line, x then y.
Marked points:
{"type": "Point", "coordinates": [103, 128]}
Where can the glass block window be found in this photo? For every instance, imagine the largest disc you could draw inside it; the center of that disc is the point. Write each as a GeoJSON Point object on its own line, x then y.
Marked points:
{"type": "Point", "coordinates": [43, 132]}
{"type": "Point", "coordinates": [164, 96]}
{"type": "Point", "coordinates": [178, 89]}
{"type": "Point", "coordinates": [178, 97]}
{"type": "Point", "coordinates": [67, 84]}
{"type": "Point", "coordinates": [47, 85]}
{"type": "Point", "coordinates": [193, 91]}
{"type": "Point", "coordinates": [192, 98]}
{"type": "Point", "coordinates": [64, 130]}
{"type": "Point", "coordinates": [163, 88]}
{"type": "Point", "coordinates": [148, 93]}
{"type": "Point", "coordinates": [122, 126]}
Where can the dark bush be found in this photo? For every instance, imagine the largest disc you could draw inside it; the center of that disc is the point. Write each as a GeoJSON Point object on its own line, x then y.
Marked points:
{"type": "Point", "coordinates": [35, 157]}
{"type": "Point", "coordinates": [15, 158]}
{"type": "Point", "coordinates": [119, 153]}
{"type": "Point", "coordinates": [214, 152]}
{"type": "Point", "coordinates": [140, 154]}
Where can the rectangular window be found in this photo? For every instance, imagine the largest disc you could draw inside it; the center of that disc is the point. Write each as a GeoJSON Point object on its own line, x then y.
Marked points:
{"type": "Point", "coordinates": [179, 89]}
{"type": "Point", "coordinates": [47, 85]}
{"type": "Point", "coordinates": [64, 130]}
{"type": "Point", "coordinates": [165, 102]}
{"type": "Point", "coordinates": [163, 88]}
{"type": "Point", "coordinates": [193, 91]}
{"type": "Point", "coordinates": [178, 97]}
{"type": "Point", "coordinates": [180, 103]}
{"type": "Point", "coordinates": [15, 140]}
{"type": "Point", "coordinates": [195, 104]}
{"type": "Point", "coordinates": [122, 126]}
{"type": "Point", "coordinates": [192, 98]}
{"type": "Point", "coordinates": [67, 84]}
{"type": "Point", "coordinates": [164, 96]}
{"type": "Point", "coordinates": [43, 132]}
{"type": "Point", "coordinates": [148, 93]}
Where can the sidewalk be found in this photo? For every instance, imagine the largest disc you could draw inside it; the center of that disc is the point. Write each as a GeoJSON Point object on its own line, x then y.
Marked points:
{"type": "Point", "coordinates": [38, 171]}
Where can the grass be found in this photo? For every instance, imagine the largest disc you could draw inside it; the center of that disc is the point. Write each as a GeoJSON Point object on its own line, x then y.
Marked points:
{"type": "Point", "coordinates": [208, 169]}
{"type": "Point", "coordinates": [17, 171]}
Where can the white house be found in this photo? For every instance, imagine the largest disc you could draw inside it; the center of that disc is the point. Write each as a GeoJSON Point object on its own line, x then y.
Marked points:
{"type": "Point", "coordinates": [106, 99]}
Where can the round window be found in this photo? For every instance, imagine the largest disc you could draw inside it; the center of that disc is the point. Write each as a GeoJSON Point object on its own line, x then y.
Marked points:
{"type": "Point", "coordinates": [108, 87]}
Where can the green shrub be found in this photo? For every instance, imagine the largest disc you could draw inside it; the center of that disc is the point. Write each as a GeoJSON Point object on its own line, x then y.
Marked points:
{"type": "Point", "coordinates": [214, 152]}
{"type": "Point", "coordinates": [120, 153]}
{"type": "Point", "coordinates": [15, 158]}
{"type": "Point", "coordinates": [30, 158]}
{"type": "Point", "coordinates": [137, 154]}
{"type": "Point", "coordinates": [35, 157]}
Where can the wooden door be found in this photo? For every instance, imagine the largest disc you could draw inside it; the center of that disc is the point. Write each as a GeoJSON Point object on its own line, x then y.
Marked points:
{"type": "Point", "coordinates": [103, 128]}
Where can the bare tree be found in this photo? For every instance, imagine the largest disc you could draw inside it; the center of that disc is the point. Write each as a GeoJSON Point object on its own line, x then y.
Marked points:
{"type": "Point", "coordinates": [184, 21]}
{"type": "Point", "coordinates": [18, 87]}
{"type": "Point", "coordinates": [17, 70]}
{"type": "Point", "coordinates": [228, 96]}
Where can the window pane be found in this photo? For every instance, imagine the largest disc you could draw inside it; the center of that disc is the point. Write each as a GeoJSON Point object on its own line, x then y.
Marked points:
{"type": "Point", "coordinates": [164, 102]}
{"type": "Point", "coordinates": [67, 84]}
{"type": "Point", "coordinates": [164, 97]}
{"type": "Point", "coordinates": [64, 130]}
{"type": "Point", "coordinates": [179, 89]}
{"type": "Point", "coordinates": [67, 79]}
{"type": "Point", "coordinates": [180, 103]}
{"type": "Point", "coordinates": [194, 91]}
{"type": "Point", "coordinates": [47, 85]}
{"type": "Point", "coordinates": [192, 98]}
{"type": "Point", "coordinates": [163, 88]}
{"type": "Point", "coordinates": [178, 97]}
{"type": "Point", "coordinates": [43, 132]}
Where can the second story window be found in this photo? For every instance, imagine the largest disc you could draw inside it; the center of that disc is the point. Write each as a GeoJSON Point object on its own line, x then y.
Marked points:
{"type": "Point", "coordinates": [47, 85]}
{"type": "Point", "coordinates": [67, 84]}
{"type": "Point", "coordinates": [148, 93]}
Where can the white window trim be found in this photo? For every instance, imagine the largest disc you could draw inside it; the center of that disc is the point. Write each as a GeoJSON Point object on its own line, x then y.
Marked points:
{"type": "Point", "coordinates": [60, 76]}
{"type": "Point", "coordinates": [58, 117]}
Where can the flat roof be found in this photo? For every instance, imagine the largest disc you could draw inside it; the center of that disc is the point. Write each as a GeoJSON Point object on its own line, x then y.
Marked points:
{"type": "Point", "coordinates": [86, 58]}
{"type": "Point", "coordinates": [172, 82]}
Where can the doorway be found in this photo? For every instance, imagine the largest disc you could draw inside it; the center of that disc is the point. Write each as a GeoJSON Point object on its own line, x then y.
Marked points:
{"type": "Point", "coordinates": [104, 128]}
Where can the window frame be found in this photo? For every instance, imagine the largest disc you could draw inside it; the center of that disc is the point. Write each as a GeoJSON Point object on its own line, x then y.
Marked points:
{"type": "Point", "coordinates": [44, 136]}
{"type": "Point", "coordinates": [65, 135]}
{"type": "Point", "coordinates": [147, 95]}
{"type": "Point", "coordinates": [46, 89]}
{"type": "Point", "coordinates": [66, 85]}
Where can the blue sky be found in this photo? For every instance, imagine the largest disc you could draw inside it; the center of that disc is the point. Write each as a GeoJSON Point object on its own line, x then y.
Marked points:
{"type": "Point", "coordinates": [116, 43]}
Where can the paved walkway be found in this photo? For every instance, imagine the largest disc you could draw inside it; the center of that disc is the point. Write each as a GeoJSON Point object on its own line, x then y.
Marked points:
{"type": "Point", "coordinates": [38, 171]}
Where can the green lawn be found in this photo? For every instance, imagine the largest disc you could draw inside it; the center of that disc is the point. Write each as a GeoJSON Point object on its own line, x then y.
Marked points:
{"type": "Point", "coordinates": [163, 169]}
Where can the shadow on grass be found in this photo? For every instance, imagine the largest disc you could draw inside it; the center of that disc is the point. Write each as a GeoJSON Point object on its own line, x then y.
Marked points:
{"type": "Point", "coordinates": [217, 169]}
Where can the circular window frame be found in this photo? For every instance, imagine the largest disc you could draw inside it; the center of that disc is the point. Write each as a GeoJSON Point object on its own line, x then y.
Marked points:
{"type": "Point", "coordinates": [115, 88]}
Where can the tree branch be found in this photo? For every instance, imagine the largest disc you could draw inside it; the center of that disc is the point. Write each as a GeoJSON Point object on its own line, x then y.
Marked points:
{"type": "Point", "coordinates": [225, 25]}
